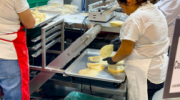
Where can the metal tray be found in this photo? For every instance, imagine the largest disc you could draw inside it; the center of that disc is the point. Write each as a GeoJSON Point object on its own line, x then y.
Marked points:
{"type": "Point", "coordinates": [49, 17]}
{"type": "Point", "coordinates": [81, 63]}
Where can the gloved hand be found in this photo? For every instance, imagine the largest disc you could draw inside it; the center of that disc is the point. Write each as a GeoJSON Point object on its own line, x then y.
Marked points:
{"type": "Point", "coordinates": [109, 61]}
{"type": "Point", "coordinates": [116, 41]}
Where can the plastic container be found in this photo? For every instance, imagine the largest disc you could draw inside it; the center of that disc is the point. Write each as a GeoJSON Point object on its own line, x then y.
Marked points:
{"type": "Point", "coordinates": [35, 3]}
{"type": "Point", "coordinates": [81, 96]}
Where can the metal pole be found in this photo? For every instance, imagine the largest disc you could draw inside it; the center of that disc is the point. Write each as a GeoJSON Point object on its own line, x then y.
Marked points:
{"type": "Point", "coordinates": [43, 39]}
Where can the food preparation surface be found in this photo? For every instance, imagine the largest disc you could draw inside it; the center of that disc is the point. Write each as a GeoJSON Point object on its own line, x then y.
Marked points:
{"type": "Point", "coordinates": [81, 63]}
{"type": "Point", "coordinates": [49, 17]}
{"type": "Point", "coordinates": [76, 21]}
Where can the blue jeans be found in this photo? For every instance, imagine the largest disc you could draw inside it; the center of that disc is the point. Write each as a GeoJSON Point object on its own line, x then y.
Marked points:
{"type": "Point", "coordinates": [10, 79]}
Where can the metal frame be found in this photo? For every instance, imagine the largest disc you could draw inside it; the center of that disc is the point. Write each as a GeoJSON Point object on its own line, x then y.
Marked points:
{"type": "Point", "coordinates": [114, 91]}
{"type": "Point", "coordinates": [171, 65]}
{"type": "Point", "coordinates": [120, 91]}
{"type": "Point", "coordinates": [49, 33]}
{"type": "Point", "coordinates": [59, 63]}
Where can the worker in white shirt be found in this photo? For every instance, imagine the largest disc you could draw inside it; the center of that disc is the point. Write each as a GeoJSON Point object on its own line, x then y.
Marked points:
{"type": "Point", "coordinates": [14, 69]}
{"type": "Point", "coordinates": [171, 10]}
{"type": "Point", "coordinates": [144, 45]}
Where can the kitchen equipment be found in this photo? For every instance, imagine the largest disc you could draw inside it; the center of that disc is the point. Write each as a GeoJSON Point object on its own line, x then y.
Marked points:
{"type": "Point", "coordinates": [102, 10]}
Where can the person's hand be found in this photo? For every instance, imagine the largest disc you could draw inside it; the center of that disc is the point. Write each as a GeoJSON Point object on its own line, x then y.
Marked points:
{"type": "Point", "coordinates": [116, 41]}
{"type": "Point", "coordinates": [109, 61]}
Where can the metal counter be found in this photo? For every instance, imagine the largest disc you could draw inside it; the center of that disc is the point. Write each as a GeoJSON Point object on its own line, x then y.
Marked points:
{"type": "Point", "coordinates": [76, 22]}
{"type": "Point", "coordinates": [81, 63]}
{"type": "Point", "coordinates": [57, 65]}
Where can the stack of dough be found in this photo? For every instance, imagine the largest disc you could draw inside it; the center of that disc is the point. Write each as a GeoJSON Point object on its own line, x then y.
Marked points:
{"type": "Point", "coordinates": [94, 58]}
{"type": "Point", "coordinates": [67, 9]}
{"type": "Point", "coordinates": [64, 9]}
{"type": "Point", "coordinates": [56, 5]}
{"type": "Point", "coordinates": [116, 23]}
{"type": "Point", "coordinates": [93, 69]}
{"type": "Point", "coordinates": [96, 66]}
{"type": "Point", "coordinates": [39, 17]}
{"type": "Point", "coordinates": [116, 68]}
{"type": "Point", "coordinates": [106, 51]}
{"type": "Point", "coordinates": [99, 59]}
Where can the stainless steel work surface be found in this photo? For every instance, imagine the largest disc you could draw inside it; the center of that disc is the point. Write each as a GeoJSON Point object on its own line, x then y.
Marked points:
{"type": "Point", "coordinates": [49, 17]}
{"type": "Point", "coordinates": [81, 63]}
{"type": "Point", "coordinates": [76, 21]}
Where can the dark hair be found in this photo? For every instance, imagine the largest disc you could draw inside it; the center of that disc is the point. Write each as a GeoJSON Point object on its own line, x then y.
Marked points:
{"type": "Point", "coordinates": [138, 1]}
{"type": "Point", "coordinates": [154, 1]}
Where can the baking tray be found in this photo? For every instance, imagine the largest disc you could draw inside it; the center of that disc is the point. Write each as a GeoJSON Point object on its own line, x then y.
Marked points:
{"type": "Point", "coordinates": [81, 63]}
{"type": "Point", "coordinates": [49, 17]}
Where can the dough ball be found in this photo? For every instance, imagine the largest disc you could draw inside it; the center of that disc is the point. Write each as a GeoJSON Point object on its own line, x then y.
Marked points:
{"type": "Point", "coordinates": [38, 19]}
{"type": "Point", "coordinates": [42, 19]}
{"type": "Point", "coordinates": [38, 15]}
{"type": "Point", "coordinates": [116, 23]}
{"type": "Point", "coordinates": [94, 58]}
{"type": "Point", "coordinates": [44, 15]}
{"type": "Point", "coordinates": [96, 66]}
{"type": "Point", "coordinates": [89, 72]}
{"type": "Point", "coordinates": [33, 12]}
{"type": "Point", "coordinates": [116, 68]}
{"type": "Point", "coordinates": [106, 51]}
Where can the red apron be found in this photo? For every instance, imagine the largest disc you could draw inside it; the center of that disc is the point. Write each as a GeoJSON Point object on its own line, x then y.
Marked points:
{"type": "Point", "coordinates": [22, 54]}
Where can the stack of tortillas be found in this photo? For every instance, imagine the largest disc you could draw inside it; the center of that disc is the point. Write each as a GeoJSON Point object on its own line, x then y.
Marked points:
{"type": "Point", "coordinates": [95, 68]}
{"type": "Point", "coordinates": [116, 68]}
{"type": "Point", "coordinates": [116, 23]}
{"type": "Point", "coordinates": [105, 52]}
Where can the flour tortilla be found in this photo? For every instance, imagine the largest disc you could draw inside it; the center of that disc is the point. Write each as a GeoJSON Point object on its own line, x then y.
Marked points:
{"type": "Point", "coordinates": [89, 72]}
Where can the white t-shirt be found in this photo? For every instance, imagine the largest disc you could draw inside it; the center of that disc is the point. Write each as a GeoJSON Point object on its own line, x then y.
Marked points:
{"type": "Point", "coordinates": [10, 23]}
{"type": "Point", "coordinates": [148, 28]}
{"type": "Point", "coordinates": [171, 10]}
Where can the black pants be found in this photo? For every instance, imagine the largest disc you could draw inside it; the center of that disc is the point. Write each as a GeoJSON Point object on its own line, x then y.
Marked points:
{"type": "Point", "coordinates": [153, 88]}
{"type": "Point", "coordinates": [169, 50]}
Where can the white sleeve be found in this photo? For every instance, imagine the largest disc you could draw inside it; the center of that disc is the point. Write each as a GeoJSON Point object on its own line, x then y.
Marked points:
{"type": "Point", "coordinates": [170, 8]}
{"type": "Point", "coordinates": [130, 31]}
{"type": "Point", "coordinates": [21, 5]}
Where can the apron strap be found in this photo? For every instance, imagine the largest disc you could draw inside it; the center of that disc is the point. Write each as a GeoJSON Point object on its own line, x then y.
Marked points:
{"type": "Point", "coordinates": [21, 27]}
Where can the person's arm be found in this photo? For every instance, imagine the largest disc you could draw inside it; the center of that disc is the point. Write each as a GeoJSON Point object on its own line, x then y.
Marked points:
{"type": "Point", "coordinates": [124, 51]}
{"type": "Point", "coordinates": [27, 19]}
{"type": "Point", "coordinates": [130, 33]}
{"type": "Point", "coordinates": [170, 8]}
